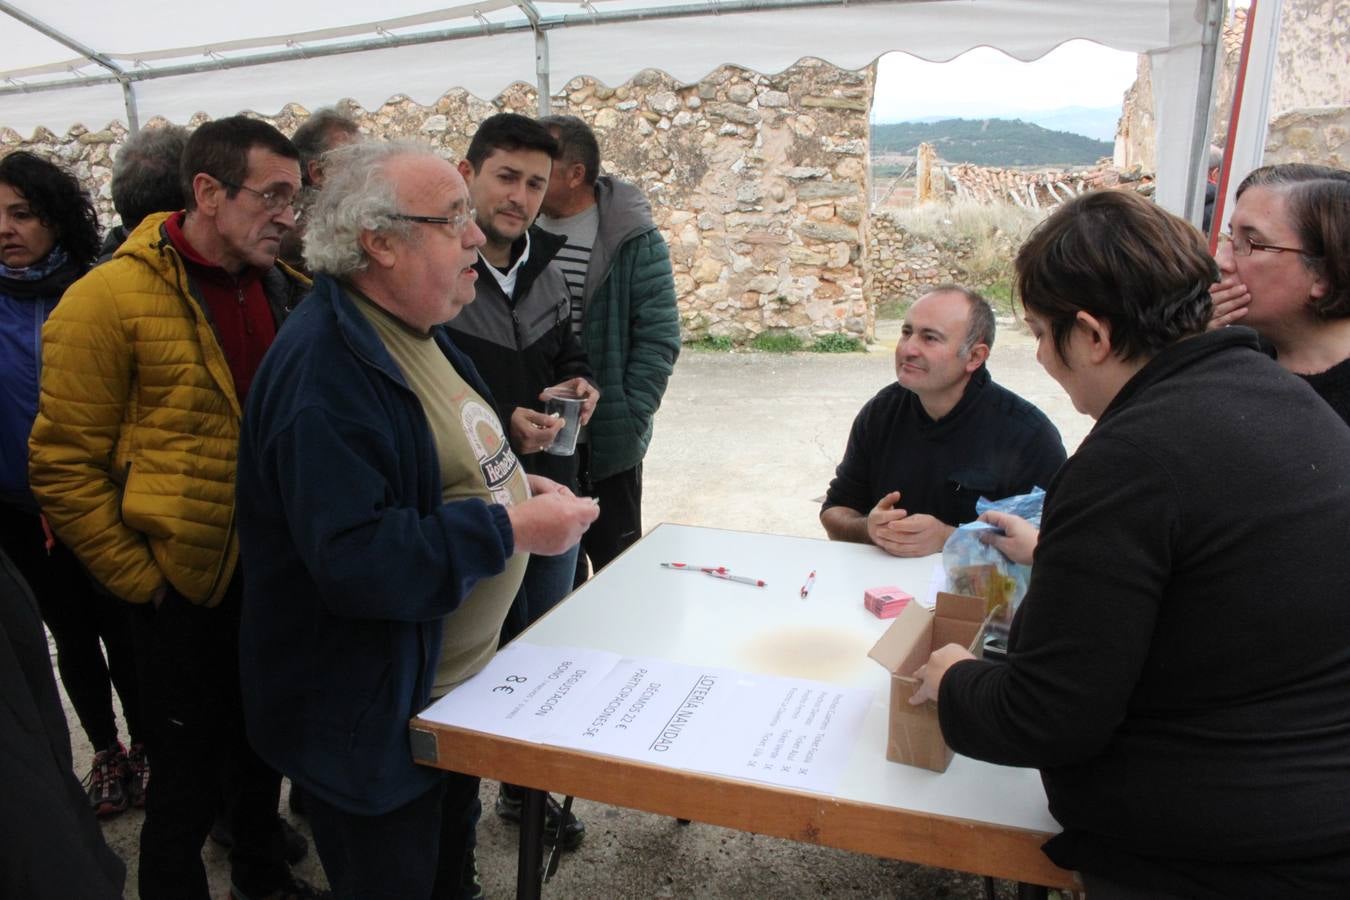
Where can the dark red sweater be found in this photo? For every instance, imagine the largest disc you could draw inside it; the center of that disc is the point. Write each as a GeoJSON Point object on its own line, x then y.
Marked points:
{"type": "Point", "coordinates": [236, 304]}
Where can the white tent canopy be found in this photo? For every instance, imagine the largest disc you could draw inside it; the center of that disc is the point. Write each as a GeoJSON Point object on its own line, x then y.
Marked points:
{"type": "Point", "coordinates": [94, 61]}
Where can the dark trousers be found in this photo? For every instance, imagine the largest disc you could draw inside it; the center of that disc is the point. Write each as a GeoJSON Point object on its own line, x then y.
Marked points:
{"type": "Point", "coordinates": [547, 580]}
{"type": "Point", "coordinates": [620, 522]}
{"type": "Point", "coordinates": [198, 752]}
{"type": "Point", "coordinates": [83, 619]}
{"type": "Point", "coordinates": [1098, 888]}
{"type": "Point", "coordinates": [419, 851]}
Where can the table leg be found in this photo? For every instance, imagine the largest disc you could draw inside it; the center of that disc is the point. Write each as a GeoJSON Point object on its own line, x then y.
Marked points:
{"type": "Point", "coordinates": [530, 861]}
{"type": "Point", "coordinates": [1032, 891]}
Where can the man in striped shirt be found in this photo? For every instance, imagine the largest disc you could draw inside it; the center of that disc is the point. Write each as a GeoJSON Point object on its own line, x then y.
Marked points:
{"type": "Point", "coordinates": [623, 308]}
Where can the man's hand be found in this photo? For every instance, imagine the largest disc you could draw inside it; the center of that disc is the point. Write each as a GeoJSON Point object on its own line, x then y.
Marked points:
{"type": "Point", "coordinates": [1018, 541]}
{"type": "Point", "coordinates": [879, 521]}
{"type": "Point", "coordinates": [930, 674]}
{"type": "Point", "coordinates": [541, 485]}
{"type": "Point", "coordinates": [900, 534]}
{"type": "Point", "coordinates": [532, 431]}
{"type": "Point", "coordinates": [551, 522]}
{"type": "Point", "coordinates": [1230, 297]}
{"type": "Point", "coordinates": [589, 394]}
{"type": "Point", "coordinates": [918, 535]}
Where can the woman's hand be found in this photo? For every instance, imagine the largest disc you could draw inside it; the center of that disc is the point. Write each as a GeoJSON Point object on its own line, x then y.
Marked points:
{"type": "Point", "coordinates": [930, 673]}
{"type": "Point", "coordinates": [1230, 298]}
{"type": "Point", "coordinates": [1018, 541]}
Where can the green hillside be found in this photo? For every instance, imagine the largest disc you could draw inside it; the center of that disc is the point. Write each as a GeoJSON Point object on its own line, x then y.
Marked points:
{"type": "Point", "coordinates": [990, 142]}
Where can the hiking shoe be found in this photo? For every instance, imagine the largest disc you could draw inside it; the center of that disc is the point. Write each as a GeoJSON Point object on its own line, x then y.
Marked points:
{"type": "Point", "coordinates": [106, 783]}
{"type": "Point", "coordinates": [291, 844]}
{"type": "Point", "coordinates": [511, 803]}
{"type": "Point", "coordinates": [138, 775]}
{"type": "Point", "coordinates": [292, 889]}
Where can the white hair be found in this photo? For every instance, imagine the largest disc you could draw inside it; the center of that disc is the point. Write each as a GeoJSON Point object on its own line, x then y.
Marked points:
{"type": "Point", "coordinates": [357, 196]}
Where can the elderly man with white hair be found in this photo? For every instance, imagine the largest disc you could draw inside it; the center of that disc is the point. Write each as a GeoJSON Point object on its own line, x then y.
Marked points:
{"type": "Point", "coordinates": [385, 523]}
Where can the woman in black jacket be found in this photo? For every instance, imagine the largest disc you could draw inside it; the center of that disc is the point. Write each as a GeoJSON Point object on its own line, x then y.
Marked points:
{"type": "Point", "coordinates": [1178, 670]}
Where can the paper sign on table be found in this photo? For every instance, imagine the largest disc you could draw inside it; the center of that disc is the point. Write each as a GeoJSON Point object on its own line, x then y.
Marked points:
{"type": "Point", "coordinates": [523, 690]}
{"type": "Point", "coordinates": [785, 731]}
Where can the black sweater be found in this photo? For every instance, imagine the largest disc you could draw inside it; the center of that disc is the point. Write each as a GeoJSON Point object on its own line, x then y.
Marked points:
{"type": "Point", "coordinates": [992, 444]}
{"type": "Point", "coordinates": [1333, 386]}
{"type": "Point", "coordinates": [1180, 667]}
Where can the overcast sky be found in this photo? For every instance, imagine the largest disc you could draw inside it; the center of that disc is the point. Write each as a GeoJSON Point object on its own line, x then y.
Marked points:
{"type": "Point", "coordinates": [986, 83]}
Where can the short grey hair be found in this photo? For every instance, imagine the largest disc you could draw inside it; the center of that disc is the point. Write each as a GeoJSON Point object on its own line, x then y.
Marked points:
{"type": "Point", "coordinates": [980, 329]}
{"type": "Point", "coordinates": [145, 174]}
{"type": "Point", "coordinates": [316, 136]}
{"type": "Point", "coordinates": [357, 196]}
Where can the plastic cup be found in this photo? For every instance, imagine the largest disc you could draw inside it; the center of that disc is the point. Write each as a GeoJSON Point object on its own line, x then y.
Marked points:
{"type": "Point", "coordinates": [566, 405]}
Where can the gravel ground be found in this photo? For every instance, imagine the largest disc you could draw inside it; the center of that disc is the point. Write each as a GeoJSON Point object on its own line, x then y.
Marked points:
{"type": "Point", "coordinates": [744, 441]}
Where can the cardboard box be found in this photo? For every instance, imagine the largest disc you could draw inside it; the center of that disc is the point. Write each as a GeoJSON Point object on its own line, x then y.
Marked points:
{"type": "Point", "coordinates": [914, 736]}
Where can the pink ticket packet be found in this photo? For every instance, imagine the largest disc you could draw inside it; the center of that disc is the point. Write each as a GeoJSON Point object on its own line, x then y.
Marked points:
{"type": "Point", "coordinates": [885, 602]}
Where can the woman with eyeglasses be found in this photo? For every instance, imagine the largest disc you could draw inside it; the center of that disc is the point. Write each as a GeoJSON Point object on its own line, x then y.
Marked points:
{"type": "Point", "coordinates": [1286, 272]}
{"type": "Point", "coordinates": [48, 239]}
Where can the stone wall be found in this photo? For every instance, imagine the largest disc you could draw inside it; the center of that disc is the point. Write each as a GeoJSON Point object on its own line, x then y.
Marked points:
{"type": "Point", "coordinates": [758, 182]}
{"type": "Point", "coordinates": [1312, 63]}
{"type": "Point", "coordinates": [1137, 130]}
{"type": "Point", "coordinates": [903, 266]}
{"type": "Point", "coordinates": [1310, 136]}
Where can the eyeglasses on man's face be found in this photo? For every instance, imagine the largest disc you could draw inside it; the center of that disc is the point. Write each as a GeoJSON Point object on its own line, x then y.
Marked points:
{"type": "Point", "coordinates": [1243, 245]}
{"type": "Point", "coordinates": [456, 223]}
{"type": "Point", "coordinates": [274, 200]}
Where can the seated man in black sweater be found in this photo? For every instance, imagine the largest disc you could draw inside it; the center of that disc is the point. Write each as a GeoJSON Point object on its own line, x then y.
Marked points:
{"type": "Point", "coordinates": [922, 451]}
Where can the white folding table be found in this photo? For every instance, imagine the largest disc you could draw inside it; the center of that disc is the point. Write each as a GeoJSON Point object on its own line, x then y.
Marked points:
{"type": "Point", "coordinates": [976, 817]}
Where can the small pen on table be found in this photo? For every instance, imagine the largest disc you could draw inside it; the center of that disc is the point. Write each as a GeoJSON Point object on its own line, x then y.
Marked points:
{"type": "Point", "coordinates": [739, 579]}
{"type": "Point", "coordinates": [810, 583]}
{"type": "Point", "coordinates": [686, 567]}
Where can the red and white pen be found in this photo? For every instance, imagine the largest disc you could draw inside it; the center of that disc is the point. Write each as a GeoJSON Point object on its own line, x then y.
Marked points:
{"type": "Point", "coordinates": [686, 567]}
{"type": "Point", "coordinates": [739, 579]}
{"type": "Point", "coordinates": [810, 583]}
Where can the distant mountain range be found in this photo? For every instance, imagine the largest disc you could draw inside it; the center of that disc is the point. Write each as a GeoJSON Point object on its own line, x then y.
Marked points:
{"type": "Point", "coordinates": [1097, 123]}
{"type": "Point", "coordinates": [990, 142]}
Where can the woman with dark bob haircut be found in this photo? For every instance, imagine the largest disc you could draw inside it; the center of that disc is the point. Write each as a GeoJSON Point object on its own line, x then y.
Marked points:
{"type": "Point", "coordinates": [48, 239]}
{"type": "Point", "coordinates": [1286, 272]}
{"type": "Point", "coordinates": [1179, 669]}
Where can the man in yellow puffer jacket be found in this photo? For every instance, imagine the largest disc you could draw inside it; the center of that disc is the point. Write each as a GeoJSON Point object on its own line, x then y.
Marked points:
{"type": "Point", "coordinates": [132, 459]}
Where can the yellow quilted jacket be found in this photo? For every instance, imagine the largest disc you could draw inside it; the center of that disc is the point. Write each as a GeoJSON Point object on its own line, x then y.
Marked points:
{"type": "Point", "coordinates": [132, 456]}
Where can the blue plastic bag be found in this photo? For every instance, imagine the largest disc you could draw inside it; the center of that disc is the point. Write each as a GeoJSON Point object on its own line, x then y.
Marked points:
{"type": "Point", "coordinates": [977, 569]}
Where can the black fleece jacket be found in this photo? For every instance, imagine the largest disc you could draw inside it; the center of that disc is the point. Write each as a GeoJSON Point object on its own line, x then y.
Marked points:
{"type": "Point", "coordinates": [992, 444]}
{"type": "Point", "coordinates": [1179, 670]}
{"type": "Point", "coordinates": [523, 344]}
